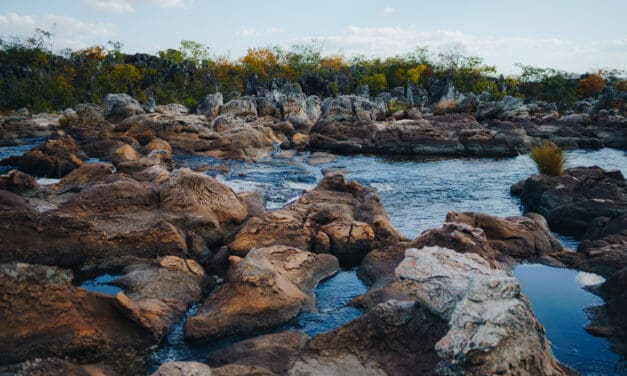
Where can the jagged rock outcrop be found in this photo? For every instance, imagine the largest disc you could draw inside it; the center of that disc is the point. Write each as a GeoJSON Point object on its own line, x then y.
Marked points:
{"type": "Point", "coordinates": [118, 107]}
{"type": "Point", "coordinates": [491, 327]}
{"type": "Point", "coordinates": [210, 106]}
{"type": "Point", "coordinates": [266, 288]}
{"type": "Point", "coordinates": [454, 135]}
{"type": "Point", "coordinates": [345, 219]}
{"type": "Point", "coordinates": [589, 203]}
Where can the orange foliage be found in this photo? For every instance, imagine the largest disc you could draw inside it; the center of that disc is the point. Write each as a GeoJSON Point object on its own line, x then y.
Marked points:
{"type": "Point", "coordinates": [93, 53]}
{"type": "Point", "coordinates": [333, 63]}
{"type": "Point", "coordinates": [591, 85]}
{"type": "Point", "coordinates": [260, 61]}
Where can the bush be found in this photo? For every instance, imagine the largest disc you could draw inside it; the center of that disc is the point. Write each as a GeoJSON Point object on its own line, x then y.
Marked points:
{"type": "Point", "coordinates": [549, 159]}
{"type": "Point", "coordinates": [590, 86]}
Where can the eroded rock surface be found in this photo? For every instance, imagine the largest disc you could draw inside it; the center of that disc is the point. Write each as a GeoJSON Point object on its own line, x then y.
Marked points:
{"type": "Point", "coordinates": [266, 288]}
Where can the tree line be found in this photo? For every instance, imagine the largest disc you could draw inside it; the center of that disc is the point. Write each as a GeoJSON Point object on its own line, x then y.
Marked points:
{"type": "Point", "coordinates": [33, 76]}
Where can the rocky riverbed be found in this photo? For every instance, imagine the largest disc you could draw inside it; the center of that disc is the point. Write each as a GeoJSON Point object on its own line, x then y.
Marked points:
{"type": "Point", "coordinates": [228, 239]}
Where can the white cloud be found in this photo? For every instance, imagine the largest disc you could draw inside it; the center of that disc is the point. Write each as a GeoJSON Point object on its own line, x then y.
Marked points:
{"type": "Point", "coordinates": [502, 51]}
{"type": "Point", "coordinates": [254, 33]}
{"type": "Point", "coordinates": [389, 10]}
{"type": "Point", "coordinates": [127, 6]}
{"type": "Point", "coordinates": [68, 32]}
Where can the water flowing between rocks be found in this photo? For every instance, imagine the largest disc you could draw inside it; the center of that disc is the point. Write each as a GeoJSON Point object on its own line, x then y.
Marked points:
{"type": "Point", "coordinates": [417, 193]}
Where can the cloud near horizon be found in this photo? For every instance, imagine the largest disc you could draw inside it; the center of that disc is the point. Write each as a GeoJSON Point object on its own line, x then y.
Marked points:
{"type": "Point", "coordinates": [501, 51]}
{"type": "Point", "coordinates": [127, 6]}
{"type": "Point", "coordinates": [68, 32]}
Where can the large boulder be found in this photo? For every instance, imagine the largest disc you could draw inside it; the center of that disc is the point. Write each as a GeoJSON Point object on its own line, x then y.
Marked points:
{"type": "Point", "coordinates": [201, 204]}
{"type": "Point", "coordinates": [119, 106]}
{"type": "Point", "coordinates": [97, 214]}
{"type": "Point", "coordinates": [491, 327]}
{"type": "Point", "coordinates": [266, 288]}
{"type": "Point", "coordinates": [351, 108]}
{"type": "Point", "coordinates": [589, 203]}
{"type": "Point", "coordinates": [393, 338]}
{"type": "Point", "coordinates": [210, 106]}
{"type": "Point", "coordinates": [340, 217]}
{"type": "Point", "coordinates": [156, 295]}
{"type": "Point", "coordinates": [239, 107]}
{"type": "Point", "coordinates": [523, 238]}
{"type": "Point", "coordinates": [44, 315]}
{"type": "Point", "coordinates": [54, 158]}
{"type": "Point", "coordinates": [294, 106]}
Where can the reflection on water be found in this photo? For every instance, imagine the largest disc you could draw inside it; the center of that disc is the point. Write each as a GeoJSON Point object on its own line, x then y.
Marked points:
{"type": "Point", "coordinates": [559, 302]}
{"type": "Point", "coordinates": [101, 284]}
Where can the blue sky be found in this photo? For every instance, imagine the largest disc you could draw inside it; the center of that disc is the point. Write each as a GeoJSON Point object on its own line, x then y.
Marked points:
{"type": "Point", "coordinates": [572, 35]}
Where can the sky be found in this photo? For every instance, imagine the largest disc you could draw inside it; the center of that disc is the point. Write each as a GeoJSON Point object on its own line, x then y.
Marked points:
{"type": "Point", "coordinates": [571, 35]}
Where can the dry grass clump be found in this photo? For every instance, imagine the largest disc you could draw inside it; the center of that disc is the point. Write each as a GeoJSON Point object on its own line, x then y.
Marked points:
{"type": "Point", "coordinates": [549, 159]}
{"type": "Point", "coordinates": [445, 107]}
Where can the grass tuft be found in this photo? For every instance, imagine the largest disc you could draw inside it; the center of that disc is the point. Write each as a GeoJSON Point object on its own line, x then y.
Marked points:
{"type": "Point", "coordinates": [549, 159]}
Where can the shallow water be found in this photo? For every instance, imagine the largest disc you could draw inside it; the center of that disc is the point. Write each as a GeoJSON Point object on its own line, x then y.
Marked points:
{"type": "Point", "coordinates": [559, 302]}
{"type": "Point", "coordinates": [10, 151]}
{"type": "Point", "coordinates": [331, 314]}
{"type": "Point", "coordinates": [101, 284]}
{"type": "Point", "coordinates": [417, 193]}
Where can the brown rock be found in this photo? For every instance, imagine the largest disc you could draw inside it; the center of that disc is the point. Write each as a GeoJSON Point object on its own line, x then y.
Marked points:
{"type": "Point", "coordinates": [267, 288]}
{"type": "Point", "coordinates": [275, 352]}
{"type": "Point", "coordinates": [44, 315]}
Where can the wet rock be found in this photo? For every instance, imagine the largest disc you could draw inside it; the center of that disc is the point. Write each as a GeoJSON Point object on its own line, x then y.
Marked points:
{"type": "Point", "coordinates": [274, 352]}
{"type": "Point", "coordinates": [158, 144]}
{"type": "Point", "coordinates": [157, 295]}
{"type": "Point", "coordinates": [118, 107]}
{"type": "Point", "coordinates": [266, 288]}
{"type": "Point", "coordinates": [329, 213]}
{"type": "Point", "coordinates": [54, 158]}
{"type": "Point", "coordinates": [210, 106]}
{"type": "Point", "coordinates": [85, 176]}
{"type": "Point", "coordinates": [491, 327]}
{"type": "Point", "coordinates": [44, 315]}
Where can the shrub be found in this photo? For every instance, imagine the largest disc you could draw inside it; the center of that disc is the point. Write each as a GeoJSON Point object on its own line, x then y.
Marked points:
{"type": "Point", "coordinates": [549, 159]}
{"type": "Point", "coordinates": [445, 106]}
{"type": "Point", "coordinates": [590, 86]}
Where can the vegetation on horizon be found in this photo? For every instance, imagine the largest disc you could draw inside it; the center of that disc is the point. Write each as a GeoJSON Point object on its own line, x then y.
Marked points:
{"type": "Point", "coordinates": [549, 159]}
{"type": "Point", "coordinates": [33, 76]}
